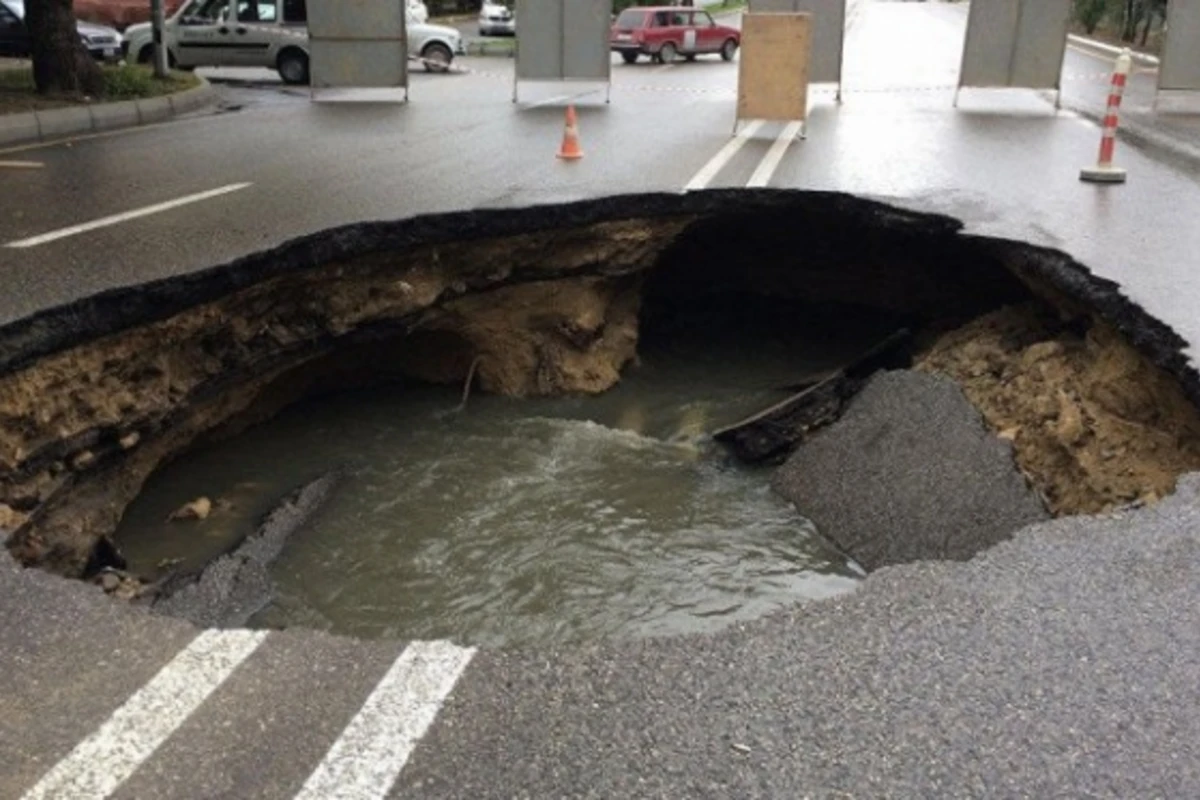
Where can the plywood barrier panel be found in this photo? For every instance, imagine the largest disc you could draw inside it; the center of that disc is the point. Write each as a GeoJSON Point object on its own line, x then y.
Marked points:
{"type": "Point", "coordinates": [828, 33]}
{"type": "Point", "coordinates": [1180, 68]}
{"type": "Point", "coordinates": [1015, 44]}
{"type": "Point", "coordinates": [357, 44]}
{"type": "Point", "coordinates": [773, 66]}
{"type": "Point", "coordinates": [563, 40]}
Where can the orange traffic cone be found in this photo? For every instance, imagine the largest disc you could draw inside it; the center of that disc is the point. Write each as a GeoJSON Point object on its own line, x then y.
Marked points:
{"type": "Point", "coordinates": [570, 150]}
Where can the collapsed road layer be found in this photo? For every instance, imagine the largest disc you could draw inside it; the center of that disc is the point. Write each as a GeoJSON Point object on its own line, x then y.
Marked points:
{"type": "Point", "coordinates": [98, 395]}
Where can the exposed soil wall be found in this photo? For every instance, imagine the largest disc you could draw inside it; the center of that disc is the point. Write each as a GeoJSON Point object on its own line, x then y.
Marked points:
{"type": "Point", "coordinates": [82, 428]}
{"type": "Point", "coordinates": [1094, 425]}
{"type": "Point", "coordinates": [97, 395]}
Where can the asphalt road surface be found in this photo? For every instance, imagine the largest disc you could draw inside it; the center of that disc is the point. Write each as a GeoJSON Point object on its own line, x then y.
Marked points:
{"type": "Point", "coordinates": [1063, 663]}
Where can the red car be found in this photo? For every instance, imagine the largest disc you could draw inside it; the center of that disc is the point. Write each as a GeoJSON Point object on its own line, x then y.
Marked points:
{"type": "Point", "coordinates": [666, 32]}
{"type": "Point", "coordinates": [120, 14]}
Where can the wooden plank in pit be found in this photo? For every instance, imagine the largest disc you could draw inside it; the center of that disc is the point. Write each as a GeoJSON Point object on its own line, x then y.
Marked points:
{"type": "Point", "coordinates": [773, 67]}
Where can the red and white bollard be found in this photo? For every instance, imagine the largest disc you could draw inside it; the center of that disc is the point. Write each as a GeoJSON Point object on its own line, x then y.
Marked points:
{"type": "Point", "coordinates": [1104, 171]}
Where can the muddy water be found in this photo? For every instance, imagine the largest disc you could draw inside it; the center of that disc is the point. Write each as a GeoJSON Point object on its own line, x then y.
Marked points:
{"type": "Point", "coordinates": [518, 522]}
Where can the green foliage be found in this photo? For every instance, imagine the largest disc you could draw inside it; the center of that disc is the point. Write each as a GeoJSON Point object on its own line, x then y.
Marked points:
{"type": "Point", "coordinates": [130, 82]}
{"type": "Point", "coordinates": [1128, 18]}
{"type": "Point", "coordinates": [1088, 13]}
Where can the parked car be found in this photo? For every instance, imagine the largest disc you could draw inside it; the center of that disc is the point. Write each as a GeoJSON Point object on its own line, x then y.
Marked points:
{"type": "Point", "coordinates": [496, 19]}
{"type": "Point", "coordinates": [666, 32]}
{"type": "Point", "coordinates": [103, 43]}
{"type": "Point", "coordinates": [266, 33]}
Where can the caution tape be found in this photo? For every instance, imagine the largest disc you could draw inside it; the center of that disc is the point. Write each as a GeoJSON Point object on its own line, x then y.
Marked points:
{"type": "Point", "coordinates": [828, 89]}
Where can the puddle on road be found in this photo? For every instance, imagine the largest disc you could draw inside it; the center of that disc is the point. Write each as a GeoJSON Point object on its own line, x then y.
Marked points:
{"type": "Point", "coordinates": [521, 522]}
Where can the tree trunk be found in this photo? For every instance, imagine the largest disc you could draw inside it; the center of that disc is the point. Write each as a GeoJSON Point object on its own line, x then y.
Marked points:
{"type": "Point", "coordinates": [1146, 29]}
{"type": "Point", "coordinates": [1132, 17]}
{"type": "Point", "coordinates": [61, 64]}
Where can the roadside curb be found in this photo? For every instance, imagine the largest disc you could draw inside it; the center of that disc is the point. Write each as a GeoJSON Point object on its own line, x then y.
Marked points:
{"type": "Point", "coordinates": [34, 126]}
{"type": "Point", "coordinates": [1138, 134]}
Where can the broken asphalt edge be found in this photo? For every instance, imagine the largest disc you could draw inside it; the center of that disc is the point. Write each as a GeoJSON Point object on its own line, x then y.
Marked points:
{"type": "Point", "coordinates": [25, 340]}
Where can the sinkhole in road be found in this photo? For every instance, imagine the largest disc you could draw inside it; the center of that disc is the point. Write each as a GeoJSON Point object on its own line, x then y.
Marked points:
{"type": "Point", "coordinates": [534, 521]}
{"type": "Point", "coordinates": [308, 403]}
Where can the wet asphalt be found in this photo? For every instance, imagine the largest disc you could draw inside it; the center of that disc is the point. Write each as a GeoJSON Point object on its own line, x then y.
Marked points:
{"type": "Point", "coordinates": [1061, 663]}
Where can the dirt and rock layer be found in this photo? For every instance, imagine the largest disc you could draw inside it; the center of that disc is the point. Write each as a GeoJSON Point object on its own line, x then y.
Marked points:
{"type": "Point", "coordinates": [97, 395]}
{"type": "Point", "coordinates": [1094, 425]}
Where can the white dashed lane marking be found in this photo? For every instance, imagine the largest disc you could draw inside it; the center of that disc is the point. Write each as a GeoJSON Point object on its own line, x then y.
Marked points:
{"type": "Point", "coordinates": [367, 758]}
{"type": "Point", "coordinates": [104, 760]}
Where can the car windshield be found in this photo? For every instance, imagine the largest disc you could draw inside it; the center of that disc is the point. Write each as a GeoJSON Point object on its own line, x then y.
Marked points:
{"type": "Point", "coordinates": [15, 6]}
{"type": "Point", "coordinates": [631, 18]}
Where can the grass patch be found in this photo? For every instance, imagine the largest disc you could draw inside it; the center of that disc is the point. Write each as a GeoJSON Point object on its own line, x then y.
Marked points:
{"type": "Point", "coordinates": [18, 93]}
{"type": "Point", "coordinates": [133, 82]}
{"type": "Point", "coordinates": [492, 46]}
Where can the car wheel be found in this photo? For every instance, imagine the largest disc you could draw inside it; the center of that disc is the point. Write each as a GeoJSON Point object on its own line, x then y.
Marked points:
{"type": "Point", "coordinates": [437, 57]}
{"type": "Point", "coordinates": [728, 49]}
{"type": "Point", "coordinates": [146, 56]}
{"type": "Point", "coordinates": [667, 53]}
{"type": "Point", "coordinates": [293, 67]}
{"type": "Point", "coordinates": [629, 58]}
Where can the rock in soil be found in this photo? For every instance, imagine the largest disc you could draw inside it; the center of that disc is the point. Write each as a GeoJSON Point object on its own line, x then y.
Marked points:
{"type": "Point", "coordinates": [909, 473]}
{"type": "Point", "coordinates": [199, 508]}
{"type": "Point", "coordinates": [237, 585]}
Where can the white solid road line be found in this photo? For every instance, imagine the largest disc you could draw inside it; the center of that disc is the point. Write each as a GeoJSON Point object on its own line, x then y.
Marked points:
{"type": "Point", "coordinates": [104, 760]}
{"type": "Point", "coordinates": [770, 162]}
{"type": "Point", "coordinates": [115, 219]}
{"type": "Point", "coordinates": [710, 170]}
{"type": "Point", "coordinates": [562, 98]}
{"type": "Point", "coordinates": [367, 758]}
{"type": "Point", "coordinates": [21, 165]}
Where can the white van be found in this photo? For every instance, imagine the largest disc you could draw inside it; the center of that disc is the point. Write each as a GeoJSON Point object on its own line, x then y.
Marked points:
{"type": "Point", "coordinates": [268, 33]}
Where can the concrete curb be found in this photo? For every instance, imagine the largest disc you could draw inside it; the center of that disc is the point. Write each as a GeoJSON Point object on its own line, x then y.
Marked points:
{"type": "Point", "coordinates": [1103, 48]}
{"type": "Point", "coordinates": [53, 123]}
{"type": "Point", "coordinates": [1138, 134]}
